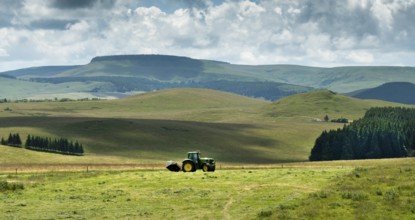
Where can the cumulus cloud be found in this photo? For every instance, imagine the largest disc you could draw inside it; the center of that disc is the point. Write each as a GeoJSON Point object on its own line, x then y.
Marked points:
{"type": "Point", "coordinates": [76, 4]}
{"type": "Point", "coordinates": [309, 32]}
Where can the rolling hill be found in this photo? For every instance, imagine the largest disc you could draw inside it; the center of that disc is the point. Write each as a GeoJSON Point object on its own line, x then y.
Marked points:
{"type": "Point", "coordinates": [45, 71]}
{"type": "Point", "coordinates": [163, 125]}
{"type": "Point", "coordinates": [317, 104]}
{"type": "Point", "coordinates": [13, 89]}
{"type": "Point", "coordinates": [401, 92]}
{"type": "Point", "coordinates": [119, 75]}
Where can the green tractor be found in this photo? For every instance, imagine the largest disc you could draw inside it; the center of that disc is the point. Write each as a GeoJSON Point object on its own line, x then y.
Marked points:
{"type": "Point", "coordinates": [192, 163]}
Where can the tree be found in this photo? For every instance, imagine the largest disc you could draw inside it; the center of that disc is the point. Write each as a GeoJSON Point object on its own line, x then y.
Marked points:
{"type": "Point", "coordinates": [326, 118]}
{"type": "Point", "coordinates": [10, 139]}
{"type": "Point", "coordinates": [17, 140]}
{"type": "Point", "coordinates": [382, 133]}
{"type": "Point", "coordinates": [28, 141]}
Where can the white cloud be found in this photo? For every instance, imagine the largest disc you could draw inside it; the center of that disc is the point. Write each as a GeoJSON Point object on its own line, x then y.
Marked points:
{"type": "Point", "coordinates": [310, 32]}
{"type": "Point", "coordinates": [248, 8]}
{"type": "Point", "coordinates": [278, 10]}
{"type": "Point", "coordinates": [3, 53]}
{"type": "Point", "coordinates": [358, 3]}
{"type": "Point", "coordinates": [383, 13]}
{"type": "Point", "coordinates": [361, 57]}
{"type": "Point", "coordinates": [344, 42]}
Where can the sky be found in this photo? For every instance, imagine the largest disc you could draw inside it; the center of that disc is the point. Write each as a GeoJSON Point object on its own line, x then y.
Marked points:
{"type": "Point", "coordinates": [322, 33]}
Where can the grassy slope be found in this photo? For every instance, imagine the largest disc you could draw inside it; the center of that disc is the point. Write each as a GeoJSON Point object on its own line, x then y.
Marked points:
{"type": "Point", "coordinates": [380, 189]}
{"type": "Point", "coordinates": [339, 79]}
{"type": "Point", "coordinates": [166, 124]}
{"type": "Point", "coordinates": [378, 192]}
{"type": "Point", "coordinates": [323, 102]}
{"type": "Point", "coordinates": [173, 104]}
{"type": "Point", "coordinates": [38, 71]}
{"type": "Point", "coordinates": [16, 157]}
{"type": "Point", "coordinates": [394, 92]}
{"type": "Point", "coordinates": [19, 89]}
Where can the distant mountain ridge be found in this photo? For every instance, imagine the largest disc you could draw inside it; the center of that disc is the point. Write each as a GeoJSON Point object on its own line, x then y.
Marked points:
{"type": "Point", "coordinates": [130, 73]}
{"type": "Point", "coordinates": [38, 71]}
{"type": "Point", "coordinates": [401, 92]}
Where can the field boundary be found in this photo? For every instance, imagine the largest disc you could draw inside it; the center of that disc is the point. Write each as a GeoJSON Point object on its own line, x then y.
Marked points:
{"type": "Point", "coordinates": [23, 168]}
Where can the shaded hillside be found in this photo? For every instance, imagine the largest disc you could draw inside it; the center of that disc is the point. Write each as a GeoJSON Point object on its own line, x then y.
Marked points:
{"type": "Point", "coordinates": [338, 79]}
{"type": "Point", "coordinates": [402, 92]}
{"type": "Point", "coordinates": [128, 73]}
{"type": "Point", "coordinates": [163, 125]}
{"type": "Point", "coordinates": [256, 89]}
{"type": "Point", "coordinates": [156, 67]}
{"type": "Point", "coordinates": [43, 71]}
{"type": "Point", "coordinates": [154, 72]}
{"type": "Point", "coordinates": [11, 88]}
{"type": "Point", "coordinates": [183, 69]}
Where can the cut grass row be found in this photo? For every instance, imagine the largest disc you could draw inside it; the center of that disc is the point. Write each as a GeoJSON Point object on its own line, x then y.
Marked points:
{"type": "Point", "coordinates": [381, 189]}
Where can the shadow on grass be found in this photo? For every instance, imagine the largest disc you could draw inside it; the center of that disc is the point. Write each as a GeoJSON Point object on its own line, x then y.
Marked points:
{"type": "Point", "coordinates": [156, 139]}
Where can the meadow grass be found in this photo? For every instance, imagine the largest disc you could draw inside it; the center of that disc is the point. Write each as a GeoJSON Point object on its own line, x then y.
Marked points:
{"type": "Point", "coordinates": [380, 192]}
{"type": "Point", "coordinates": [165, 125]}
{"type": "Point", "coordinates": [319, 103]}
{"type": "Point", "coordinates": [224, 194]}
{"type": "Point", "coordinates": [357, 190]}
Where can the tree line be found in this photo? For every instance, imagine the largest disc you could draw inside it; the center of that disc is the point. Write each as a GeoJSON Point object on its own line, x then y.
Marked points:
{"type": "Point", "coordinates": [45, 144]}
{"type": "Point", "coordinates": [386, 132]}
{"type": "Point", "coordinates": [13, 140]}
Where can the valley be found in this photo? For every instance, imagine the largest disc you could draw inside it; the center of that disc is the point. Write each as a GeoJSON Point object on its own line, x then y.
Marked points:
{"type": "Point", "coordinates": [159, 126]}
{"type": "Point", "coordinates": [261, 145]}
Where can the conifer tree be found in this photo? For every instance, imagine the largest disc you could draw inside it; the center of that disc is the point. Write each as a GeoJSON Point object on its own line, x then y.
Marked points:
{"type": "Point", "coordinates": [10, 139]}
{"type": "Point", "coordinates": [28, 141]}
{"type": "Point", "coordinates": [381, 133]}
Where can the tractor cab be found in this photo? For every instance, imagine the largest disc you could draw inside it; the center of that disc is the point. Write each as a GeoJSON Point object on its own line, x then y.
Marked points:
{"type": "Point", "coordinates": [195, 157]}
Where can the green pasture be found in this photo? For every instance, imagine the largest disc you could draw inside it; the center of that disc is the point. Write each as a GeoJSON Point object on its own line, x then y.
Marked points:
{"type": "Point", "coordinates": [164, 125]}
{"type": "Point", "coordinates": [373, 190]}
{"type": "Point", "coordinates": [323, 102]}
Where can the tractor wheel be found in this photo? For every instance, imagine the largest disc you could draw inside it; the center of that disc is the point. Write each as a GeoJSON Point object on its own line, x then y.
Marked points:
{"type": "Point", "coordinates": [188, 167]}
{"type": "Point", "coordinates": [205, 168]}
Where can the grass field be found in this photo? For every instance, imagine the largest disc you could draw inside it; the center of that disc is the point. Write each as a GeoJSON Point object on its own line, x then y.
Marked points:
{"type": "Point", "coordinates": [324, 102]}
{"type": "Point", "coordinates": [254, 143]}
{"type": "Point", "coordinates": [164, 125]}
{"type": "Point", "coordinates": [374, 189]}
